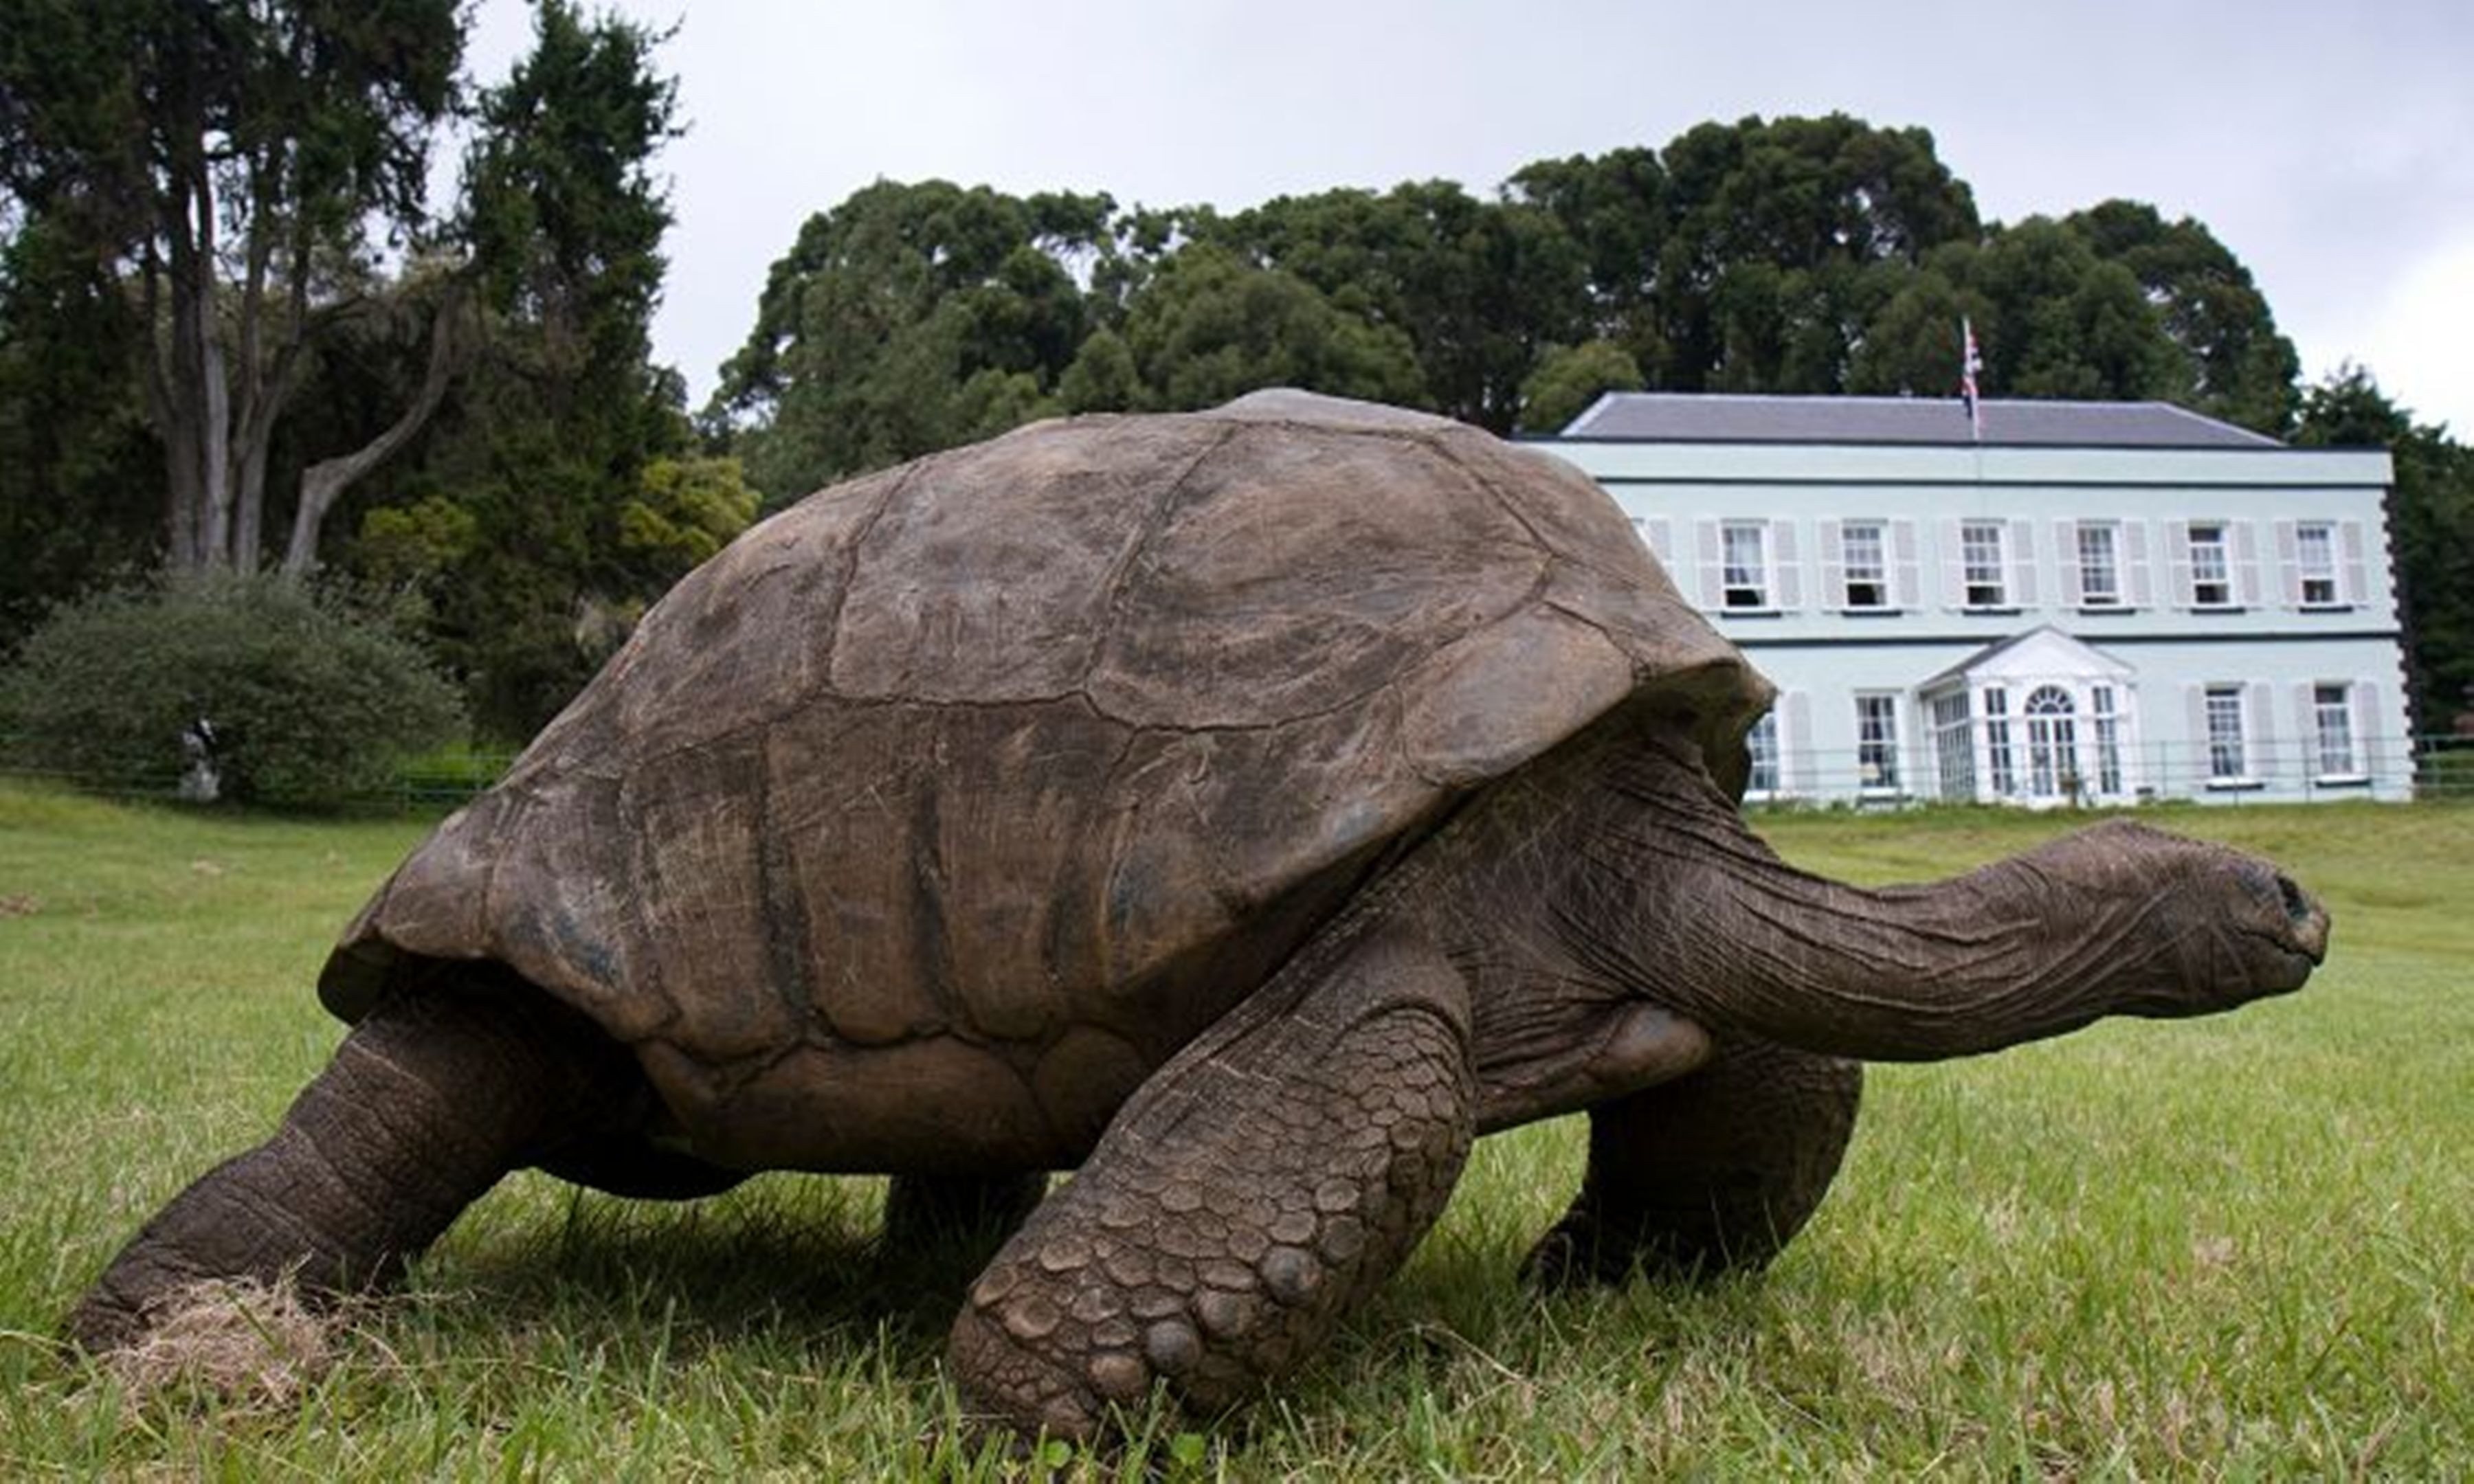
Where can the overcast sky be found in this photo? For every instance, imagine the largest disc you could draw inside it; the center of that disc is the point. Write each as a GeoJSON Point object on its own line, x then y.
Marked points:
{"type": "Point", "coordinates": [2330, 146]}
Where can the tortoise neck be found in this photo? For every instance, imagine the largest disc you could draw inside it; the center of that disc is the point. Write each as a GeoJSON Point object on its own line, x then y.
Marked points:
{"type": "Point", "coordinates": [1680, 898]}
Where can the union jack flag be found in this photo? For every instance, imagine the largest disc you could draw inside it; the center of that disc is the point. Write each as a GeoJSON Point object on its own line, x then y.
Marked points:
{"type": "Point", "coordinates": [1970, 365]}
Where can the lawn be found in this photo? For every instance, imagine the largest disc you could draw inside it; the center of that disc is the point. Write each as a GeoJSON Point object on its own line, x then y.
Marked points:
{"type": "Point", "coordinates": [2238, 1246]}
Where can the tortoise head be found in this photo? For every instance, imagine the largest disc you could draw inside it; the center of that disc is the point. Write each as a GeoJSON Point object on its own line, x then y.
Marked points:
{"type": "Point", "coordinates": [2176, 926]}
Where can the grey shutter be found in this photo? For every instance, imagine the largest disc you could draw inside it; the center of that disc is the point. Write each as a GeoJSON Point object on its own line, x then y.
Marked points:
{"type": "Point", "coordinates": [1833, 596]}
{"type": "Point", "coordinates": [2023, 563]}
{"type": "Point", "coordinates": [2259, 730]}
{"type": "Point", "coordinates": [2351, 571]}
{"type": "Point", "coordinates": [1657, 535]}
{"type": "Point", "coordinates": [1712, 596]}
{"type": "Point", "coordinates": [1795, 742]}
{"type": "Point", "coordinates": [1953, 567]}
{"type": "Point", "coordinates": [2134, 565]}
{"type": "Point", "coordinates": [2306, 727]}
{"type": "Point", "coordinates": [1902, 573]}
{"type": "Point", "coordinates": [2367, 730]}
{"type": "Point", "coordinates": [2245, 554]}
{"type": "Point", "coordinates": [2289, 563]}
{"type": "Point", "coordinates": [2177, 548]}
{"type": "Point", "coordinates": [1786, 586]}
{"type": "Point", "coordinates": [2197, 750]}
{"type": "Point", "coordinates": [2066, 561]}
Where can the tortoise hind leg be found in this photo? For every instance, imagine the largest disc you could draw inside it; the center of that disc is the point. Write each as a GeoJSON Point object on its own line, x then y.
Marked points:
{"type": "Point", "coordinates": [428, 1100]}
{"type": "Point", "coordinates": [1710, 1173]}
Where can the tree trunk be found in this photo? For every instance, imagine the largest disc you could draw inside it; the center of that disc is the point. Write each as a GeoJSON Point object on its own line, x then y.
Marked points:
{"type": "Point", "coordinates": [322, 483]}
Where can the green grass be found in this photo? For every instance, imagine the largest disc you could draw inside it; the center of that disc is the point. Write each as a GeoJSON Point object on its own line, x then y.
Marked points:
{"type": "Point", "coordinates": [2241, 1247]}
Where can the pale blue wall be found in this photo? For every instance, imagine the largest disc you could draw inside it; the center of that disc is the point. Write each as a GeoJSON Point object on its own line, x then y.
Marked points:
{"type": "Point", "coordinates": [1822, 659]}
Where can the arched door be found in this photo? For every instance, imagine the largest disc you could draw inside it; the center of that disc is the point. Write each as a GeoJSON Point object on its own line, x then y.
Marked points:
{"type": "Point", "coordinates": [2052, 745]}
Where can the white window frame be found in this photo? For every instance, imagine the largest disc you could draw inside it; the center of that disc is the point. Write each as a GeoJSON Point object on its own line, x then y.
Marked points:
{"type": "Point", "coordinates": [2049, 714]}
{"type": "Point", "coordinates": [2315, 562]}
{"type": "Point", "coordinates": [2111, 596]}
{"type": "Point", "coordinates": [2211, 576]}
{"type": "Point", "coordinates": [1865, 562]}
{"type": "Point", "coordinates": [1876, 743]}
{"type": "Point", "coordinates": [2001, 764]}
{"type": "Point", "coordinates": [2334, 720]}
{"type": "Point", "coordinates": [2226, 707]}
{"type": "Point", "coordinates": [2105, 729]}
{"type": "Point", "coordinates": [1983, 548]}
{"type": "Point", "coordinates": [1765, 777]}
{"type": "Point", "coordinates": [1757, 593]}
{"type": "Point", "coordinates": [1953, 747]}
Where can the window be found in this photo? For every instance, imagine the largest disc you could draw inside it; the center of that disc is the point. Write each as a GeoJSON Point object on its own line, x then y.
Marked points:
{"type": "Point", "coordinates": [1743, 570]}
{"type": "Point", "coordinates": [2100, 565]}
{"type": "Point", "coordinates": [1876, 743]}
{"type": "Point", "coordinates": [1762, 742]}
{"type": "Point", "coordinates": [1864, 551]}
{"type": "Point", "coordinates": [2332, 719]}
{"type": "Point", "coordinates": [1953, 748]}
{"type": "Point", "coordinates": [2106, 718]}
{"type": "Point", "coordinates": [2052, 744]}
{"type": "Point", "coordinates": [2212, 583]}
{"type": "Point", "coordinates": [2315, 561]}
{"type": "Point", "coordinates": [1979, 551]}
{"type": "Point", "coordinates": [2224, 720]}
{"type": "Point", "coordinates": [1997, 741]}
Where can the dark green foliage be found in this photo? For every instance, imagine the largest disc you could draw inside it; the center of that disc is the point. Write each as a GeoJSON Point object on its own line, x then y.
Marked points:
{"type": "Point", "coordinates": [1211, 326]}
{"type": "Point", "coordinates": [2234, 363]}
{"type": "Point", "coordinates": [1476, 288]}
{"type": "Point", "coordinates": [1569, 378]}
{"type": "Point", "coordinates": [909, 318]}
{"type": "Point", "coordinates": [1759, 281]}
{"type": "Point", "coordinates": [308, 703]}
{"type": "Point", "coordinates": [81, 475]}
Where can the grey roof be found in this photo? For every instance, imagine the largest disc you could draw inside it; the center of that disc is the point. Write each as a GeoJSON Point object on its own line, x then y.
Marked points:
{"type": "Point", "coordinates": [1712, 417]}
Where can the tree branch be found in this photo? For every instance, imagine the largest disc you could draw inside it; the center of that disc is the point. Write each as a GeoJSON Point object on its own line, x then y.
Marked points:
{"type": "Point", "coordinates": [324, 481]}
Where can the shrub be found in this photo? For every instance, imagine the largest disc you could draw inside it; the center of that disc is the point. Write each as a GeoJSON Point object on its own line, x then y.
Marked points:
{"type": "Point", "coordinates": [308, 703]}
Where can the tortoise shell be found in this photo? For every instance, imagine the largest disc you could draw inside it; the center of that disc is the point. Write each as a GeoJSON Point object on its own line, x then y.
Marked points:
{"type": "Point", "coordinates": [921, 824]}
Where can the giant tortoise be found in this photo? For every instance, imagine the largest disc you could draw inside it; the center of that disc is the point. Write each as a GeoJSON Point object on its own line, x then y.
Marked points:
{"type": "Point", "coordinates": [1244, 809]}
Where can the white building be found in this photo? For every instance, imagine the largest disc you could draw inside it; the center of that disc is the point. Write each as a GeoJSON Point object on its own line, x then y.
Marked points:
{"type": "Point", "coordinates": [2099, 601]}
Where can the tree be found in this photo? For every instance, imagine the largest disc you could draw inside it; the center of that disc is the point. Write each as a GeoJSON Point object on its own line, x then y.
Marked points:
{"type": "Point", "coordinates": [79, 469]}
{"type": "Point", "coordinates": [231, 161]}
{"type": "Point", "coordinates": [908, 319]}
{"type": "Point", "coordinates": [1759, 283]}
{"type": "Point", "coordinates": [2235, 365]}
{"type": "Point", "coordinates": [1210, 326]}
{"type": "Point", "coordinates": [1570, 378]}
{"type": "Point", "coordinates": [1613, 207]}
{"type": "Point", "coordinates": [1476, 287]}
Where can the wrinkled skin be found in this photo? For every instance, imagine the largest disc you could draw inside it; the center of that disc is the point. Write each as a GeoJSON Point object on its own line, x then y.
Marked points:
{"type": "Point", "coordinates": [1258, 954]}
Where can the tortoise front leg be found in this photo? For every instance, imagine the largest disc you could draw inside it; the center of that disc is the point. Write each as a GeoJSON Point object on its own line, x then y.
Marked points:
{"type": "Point", "coordinates": [1709, 1173]}
{"type": "Point", "coordinates": [427, 1103]}
{"type": "Point", "coordinates": [1260, 1185]}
